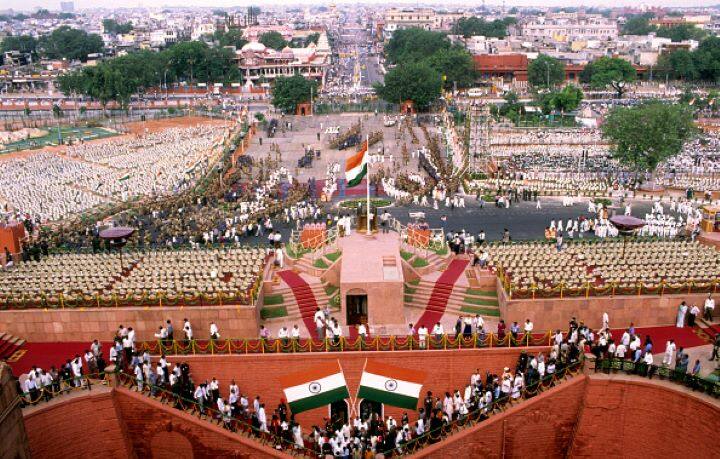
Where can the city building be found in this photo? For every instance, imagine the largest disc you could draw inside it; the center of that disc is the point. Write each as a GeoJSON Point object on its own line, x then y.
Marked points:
{"type": "Point", "coordinates": [566, 27]}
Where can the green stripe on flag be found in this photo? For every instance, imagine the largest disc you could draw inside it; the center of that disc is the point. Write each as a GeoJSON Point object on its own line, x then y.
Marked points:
{"type": "Point", "coordinates": [324, 398]}
{"type": "Point", "coordinates": [388, 398]}
{"type": "Point", "coordinates": [356, 181]}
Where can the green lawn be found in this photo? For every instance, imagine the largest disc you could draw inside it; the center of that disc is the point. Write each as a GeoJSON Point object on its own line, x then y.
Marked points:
{"type": "Point", "coordinates": [333, 256]}
{"type": "Point", "coordinates": [271, 313]}
{"type": "Point", "coordinates": [481, 311]}
{"type": "Point", "coordinates": [271, 300]}
{"type": "Point", "coordinates": [410, 290]}
{"type": "Point", "coordinates": [406, 255]}
{"type": "Point", "coordinates": [419, 262]}
{"type": "Point", "coordinates": [442, 251]}
{"type": "Point", "coordinates": [320, 263]}
{"type": "Point", "coordinates": [480, 301]}
{"type": "Point", "coordinates": [414, 282]}
{"type": "Point", "coordinates": [474, 291]}
{"type": "Point", "coordinates": [408, 298]}
{"type": "Point", "coordinates": [330, 289]}
{"type": "Point", "coordinates": [295, 255]}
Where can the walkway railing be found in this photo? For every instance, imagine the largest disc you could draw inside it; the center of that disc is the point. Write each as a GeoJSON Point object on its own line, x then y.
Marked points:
{"type": "Point", "coordinates": [62, 387]}
{"type": "Point", "coordinates": [342, 344]}
{"type": "Point", "coordinates": [239, 426]}
{"type": "Point", "coordinates": [477, 416]}
{"type": "Point", "coordinates": [696, 383]}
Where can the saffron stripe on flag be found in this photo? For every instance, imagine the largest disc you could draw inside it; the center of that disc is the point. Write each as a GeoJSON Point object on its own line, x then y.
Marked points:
{"type": "Point", "coordinates": [319, 371]}
{"type": "Point", "coordinates": [322, 399]}
{"type": "Point", "coordinates": [383, 369]}
{"type": "Point", "coordinates": [356, 159]}
{"type": "Point", "coordinates": [389, 398]}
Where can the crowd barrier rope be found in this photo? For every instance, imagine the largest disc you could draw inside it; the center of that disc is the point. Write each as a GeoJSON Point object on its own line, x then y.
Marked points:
{"type": "Point", "coordinates": [62, 387]}
{"type": "Point", "coordinates": [342, 344]}
{"type": "Point", "coordinates": [696, 383]}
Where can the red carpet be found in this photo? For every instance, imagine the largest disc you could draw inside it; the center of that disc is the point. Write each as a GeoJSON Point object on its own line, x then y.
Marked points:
{"type": "Point", "coordinates": [9, 344]}
{"type": "Point", "coordinates": [304, 297]}
{"type": "Point", "coordinates": [45, 355]}
{"type": "Point", "coordinates": [684, 337]}
{"type": "Point", "coordinates": [440, 294]}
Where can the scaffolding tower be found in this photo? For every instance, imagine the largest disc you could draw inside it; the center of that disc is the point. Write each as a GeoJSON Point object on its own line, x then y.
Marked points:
{"type": "Point", "coordinates": [478, 137]}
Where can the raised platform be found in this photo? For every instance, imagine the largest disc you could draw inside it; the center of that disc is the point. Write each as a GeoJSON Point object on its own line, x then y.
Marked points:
{"type": "Point", "coordinates": [710, 239]}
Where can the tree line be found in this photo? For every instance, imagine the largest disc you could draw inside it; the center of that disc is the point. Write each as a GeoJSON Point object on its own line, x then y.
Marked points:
{"type": "Point", "coordinates": [62, 43]}
{"type": "Point", "coordinates": [119, 78]}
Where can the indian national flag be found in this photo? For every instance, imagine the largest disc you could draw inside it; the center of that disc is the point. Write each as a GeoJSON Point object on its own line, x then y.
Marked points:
{"type": "Point", "coordinates": [391, 385]}
{"type": "Point", "coordinates": [356, 167]}
{"type": "Point", "coordinates": [313, 387]}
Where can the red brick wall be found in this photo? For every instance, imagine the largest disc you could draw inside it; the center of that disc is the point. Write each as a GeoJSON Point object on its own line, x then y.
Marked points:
{"type": "Point", "coordinates": [540, 427]}
{"type": "Point", "coordinates": [78, 427]}
{"type": "Point", "coordinates": [37, 325]}
{"type": "Point", "coordinates": [157, 430]}
{"type": "Point", "coordinates": [642, 419]}
{"type": "Point", "coordinates": [554, 313]}
{"type": "Point", "coordinates": [259, 374]}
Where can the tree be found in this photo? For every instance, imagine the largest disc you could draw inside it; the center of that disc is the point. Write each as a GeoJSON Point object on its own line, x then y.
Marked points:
{"type": "Point", "coordinates": [273, 40]}
{"type": "Point", "coordinates": [22, 43]}
{"type": "Point", "coordinates": [288, 92]}
{"type": "Point", "coordinates": [112, 27]}
{"type": "Point", "coordinates": [233, 37]}
{"type": "Point", "coordinates": [638, 25]}
{"type": "Point", "coordinates": [473, 26]}
{"type": "Point", "coordinates": [707, 59]}
{"type": "Point", "coordinates": [456, 64]}
{"type": "Point", "coordinates": [681, 32]}
{"type": "Point", "coordinates": [609, 71]}
{"type": "Point", "coordinates": [567, 99]}
{"type": "Point", "coordinates": [68, 43]}
{"type": "Point", "coordinates": [678, 65]}
{"type": "Point", "coordinates": [546, 71]}
{"type": "Point", "coordinates": [414, 45]}
{"type": "Point", "coordinates": [647, 134]}
{"type": "Point", "coordinates": [417, 82]}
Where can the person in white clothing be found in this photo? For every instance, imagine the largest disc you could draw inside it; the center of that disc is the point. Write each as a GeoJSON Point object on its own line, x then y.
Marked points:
{"type": "Point", "coordinates": [670, 349]}
{"type": "Point", "coordinates": [214, 331]}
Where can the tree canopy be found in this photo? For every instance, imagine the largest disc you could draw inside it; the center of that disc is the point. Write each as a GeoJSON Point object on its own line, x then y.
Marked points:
{"type": "Point", "coordinates": [417, 82]}
{"type": "Point", "coordinates": [564, 100]}
{"type": "Point", "coordinates": [233, 37]}
{"type": "Point", "coordinates": [119, 78]}
{"type": "Point", "coordinates": [113, 27]}
{"type": "Point", "coordinates": [273, 40]}
{"type": "Point", "coordinates": [609, 72]}
{"type": "Point", "coordinates": [472, 26]}
{"type": "Point", "coordinates": [288, 92]}
{"type": "Point", "coordinates": [68, 43]}
{"type": "Point", "coordinates": [546, 71]}
{"type": "Point", "coordinates": [647, 134]}
{"type": "Point", "coordinates": [701, 64]}
{"type": "Point", "coordinates": [638, 24]}
{"type": "Point", "coordinates": [22, 43]}
{"type": "Point", "coordinates": [681, 32]}
{"type": "Point", "coordinates": [412, 46]}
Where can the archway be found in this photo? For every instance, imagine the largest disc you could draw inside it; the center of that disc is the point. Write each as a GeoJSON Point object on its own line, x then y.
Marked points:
{"type": "Point", "coordinates": [356, 307]}
{"type": "Point", "coordinates": [171, 445]}
{"type": "Point", "coordinates": [339, 413]}
{"type": "Point", "coordinates": [370, 407]}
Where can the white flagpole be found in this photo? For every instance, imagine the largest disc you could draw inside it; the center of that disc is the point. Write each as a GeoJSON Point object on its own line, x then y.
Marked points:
{"type": "Point", "coordinates": [367, 180]}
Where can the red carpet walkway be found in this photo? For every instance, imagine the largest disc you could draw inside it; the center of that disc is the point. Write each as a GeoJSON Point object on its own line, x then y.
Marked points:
{"type": "Point", "coordinates": [45, 355]}
{"type": "Point", "coordinates": [304, 297]}
{"type": "Point", "coordinates": [440, 294]}
{"type": "Point", "coordinates": [684, 337]}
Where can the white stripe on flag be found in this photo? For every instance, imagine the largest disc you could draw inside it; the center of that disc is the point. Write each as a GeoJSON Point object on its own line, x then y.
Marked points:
{"type": "Point", "coordinates": [326, 384]}
{"type": "Point", "coordinates": [407, 388]}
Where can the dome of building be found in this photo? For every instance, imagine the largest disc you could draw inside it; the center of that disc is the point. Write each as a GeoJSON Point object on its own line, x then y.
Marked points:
{"type": "Point", "coordinates": [255, 46]}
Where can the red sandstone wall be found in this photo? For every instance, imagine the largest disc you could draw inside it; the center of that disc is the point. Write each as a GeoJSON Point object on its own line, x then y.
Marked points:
{"type": "Point", "coordinates": [540, 427]}
{"type": "Point", "coordinates": [159, 431]}
{"type": "Point", "coordinates": [37, 325]}
{"type": "Point", "coordinates": [641, 419]}
{"type": "Point", "coordinates": [554, 313]}
{"type": "Point", "coordinates": [259, 374]}
{"type": "Point", "coordinates": [82, 426]}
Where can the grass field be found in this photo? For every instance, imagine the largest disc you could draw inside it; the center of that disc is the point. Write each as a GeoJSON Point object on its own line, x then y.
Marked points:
{"type": "Point", "coordinates": [481, 311]}
{"type": "Point", "coordinates": [273, 312]}
{"type": "Point", "coordinates": [68, 133]}
{"type": "Point", "coordinates": [271, 300]}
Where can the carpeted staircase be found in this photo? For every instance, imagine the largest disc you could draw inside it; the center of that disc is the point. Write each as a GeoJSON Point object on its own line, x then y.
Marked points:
{"type": "Point", "coordinates": [9, 344]}
{"type": "Point", "coordinates": [441, 293]}
{"type": "Point", "coordinates": [304, 296]}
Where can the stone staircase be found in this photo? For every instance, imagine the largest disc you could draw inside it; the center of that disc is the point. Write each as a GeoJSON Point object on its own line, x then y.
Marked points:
{"type": "Point", "coordinates": [462, 300]}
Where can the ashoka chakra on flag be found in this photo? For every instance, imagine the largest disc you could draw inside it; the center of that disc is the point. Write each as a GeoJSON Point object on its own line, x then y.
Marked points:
{"type": "Point", "coordinates": [391, 385]}
{"type": "Point", "coordinates": [314, 387]}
